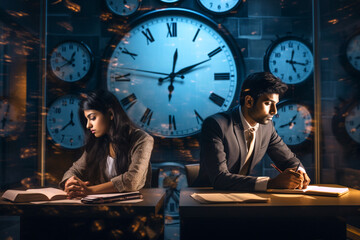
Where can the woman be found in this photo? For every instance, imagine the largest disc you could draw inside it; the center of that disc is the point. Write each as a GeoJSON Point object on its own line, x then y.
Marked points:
{"type": "Point", "coordinates": [116, 156]}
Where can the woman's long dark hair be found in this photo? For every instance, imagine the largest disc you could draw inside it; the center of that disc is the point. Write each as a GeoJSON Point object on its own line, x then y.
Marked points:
{"type": "Point", "coordinates": [97, 149]}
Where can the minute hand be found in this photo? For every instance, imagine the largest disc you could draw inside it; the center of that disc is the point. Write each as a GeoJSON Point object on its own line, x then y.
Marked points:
{"type": "Point", "coordinates": [186, 69]}
{"type": "Point", "coordinates": [146, 71]}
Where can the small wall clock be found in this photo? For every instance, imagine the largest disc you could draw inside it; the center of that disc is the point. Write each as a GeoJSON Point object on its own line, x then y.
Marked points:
{"type": "Point", "coordinates": [346, 123]}
{"type": "Point", "coordinates": [63, 122]}
{"type": "Point", "coordinates": [289, 58]}
{"type": "Point", "coordinates": [350, 54]}
{"type": "Point", "coordinates": [293, 122]}
{"type": "Point", "coordinates": [123, 7]}
{"type": "Point", "coordinates": [71, 61]}
{"type": "Point", "coordinates": [172, 69]}
{"type": "Point", "coordinates": [219, 6]}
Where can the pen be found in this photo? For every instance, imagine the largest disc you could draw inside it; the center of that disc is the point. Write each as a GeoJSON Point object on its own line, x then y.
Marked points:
{"type": "Point", "coordinates": [273, 165]}
{"type": "Point", "coordinates": [297, 168]}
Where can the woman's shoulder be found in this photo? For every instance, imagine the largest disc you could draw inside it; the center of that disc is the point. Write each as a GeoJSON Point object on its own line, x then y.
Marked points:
{"type": "Point", "coordinates": [139, 134]}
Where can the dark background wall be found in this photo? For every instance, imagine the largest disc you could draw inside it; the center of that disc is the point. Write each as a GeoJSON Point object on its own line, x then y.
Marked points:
{"type": "Point", "coordinates": [254, 25]}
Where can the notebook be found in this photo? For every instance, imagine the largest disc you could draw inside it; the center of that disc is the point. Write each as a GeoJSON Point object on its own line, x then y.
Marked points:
{"type": "Point", "coordinates": [315, 190]}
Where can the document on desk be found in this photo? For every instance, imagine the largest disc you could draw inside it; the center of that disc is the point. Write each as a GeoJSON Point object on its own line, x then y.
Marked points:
{"type": "Point", "coordinates": [112, 197]}
{"type": "Point", "coordinates": [315, 190]}
{"type": "Point", "coordinates": [228, 198]}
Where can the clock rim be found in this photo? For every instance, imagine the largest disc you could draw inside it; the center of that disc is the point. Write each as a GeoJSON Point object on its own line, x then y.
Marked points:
{"type": "Point", "coordinates": [120, 15]}
{"type": "Point", "coordinates": [237, 5]}
{"type": "Point", "coordinates": [51, 102]}
{"type": "Point", "coordinates": [338, 123]}
{"type": "Point", "coordinates": [277, 42]}
{"type": "Point", "coordinates": [176, 2]}
{"type": "Point", "coordinates": [307, 142]}
{"type": "Point", "coordinates": [91, 67]}
{"type": "Point", "coordinates": [343, 56]}
{"type": "Point", "coordinates": [182, 12]}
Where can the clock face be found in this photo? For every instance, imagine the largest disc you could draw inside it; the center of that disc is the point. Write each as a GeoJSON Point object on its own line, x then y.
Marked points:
{"type": "Point", "coordinates": [353, 52]}
{"type": "Point", "coordinates": [219, 6]}
{"type": "Point", "coordinates": [63, 122]}
{"type": "Point", "coordinates": [289, 59]}
{"type": "Point", "coordinates": [171, 71]}
{"type": "Point", "coordinates": [123, 7]}
{"type": "Point", "coordinates": [352, 123]}
{"type": "Point", "coordinates": [293, 123]}
{"type": "Point", "coordinates": [71, 61]}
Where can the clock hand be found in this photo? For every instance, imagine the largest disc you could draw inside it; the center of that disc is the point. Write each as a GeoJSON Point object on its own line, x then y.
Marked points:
{"type": "Point", "coordinates": [172, 76]}
{"type": "Point", "coordinates": [294, 62]}
{"type": "Point", "coordinates": [72, 57]}
{"type": "Point", "coordinates": [292, 55]}
{"type": "Point", "coordinates": [293, 118]}
{"type": "Point", "coordinates": [70, 122]}
{"type": "Point", "coordinates": [184, 70]}
{"type": "Point", "coordinates": [159, 73]}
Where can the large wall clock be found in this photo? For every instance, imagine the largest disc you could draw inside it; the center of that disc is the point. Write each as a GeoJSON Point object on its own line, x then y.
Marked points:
{"type": "Point", "coordinates": [63, 122]}
{"type": "Point", "coordinates": [71, 61]}
{"type": "Point", "coordinates": [350, 54]}
{"type": "Point", "coordinates": [289, 58]}
{"type": "Point", "coordinates": [293, 122]}
{"type": "Point", "coordinates": [172, 69]}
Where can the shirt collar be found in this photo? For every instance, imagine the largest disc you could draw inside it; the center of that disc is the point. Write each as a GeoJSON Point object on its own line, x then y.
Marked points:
{"type": "Point", "coordinates": [245, 123]}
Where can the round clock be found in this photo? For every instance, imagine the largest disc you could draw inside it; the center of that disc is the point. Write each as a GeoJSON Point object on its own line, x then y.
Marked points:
{"type": "Point", "coordinates": [351, 54]}
{"type": "Point", "coordinates": [63, 122]}
{"type": "Point", "coordinates": [71, 61]}
{"type": "Point", "coordinates": [352, 123]}
{"type": "Point", "coordinates": [123, 7]}
{"type": "Point", "coordinates": [290, 59]}
{"type": "Point", "coordinates": [172, 69]}
{"type": "Point", "coordinates": [219, 6]}
{"type": "Point", "coordinates": [293, 122]}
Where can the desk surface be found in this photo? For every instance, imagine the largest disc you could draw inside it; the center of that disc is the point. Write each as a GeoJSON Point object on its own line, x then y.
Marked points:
{"type": "Point", "coordinates": [282, 205]}
{"type": "Point", "coordinates": [153, 202]}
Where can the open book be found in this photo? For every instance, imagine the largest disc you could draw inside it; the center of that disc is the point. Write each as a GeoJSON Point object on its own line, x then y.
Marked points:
{"type": "Point", "coordinates": [228, 198]}
{"type": "Point", "coordinates": [315, 190]}
{"type": "Point", "coordinates": [32, 195]}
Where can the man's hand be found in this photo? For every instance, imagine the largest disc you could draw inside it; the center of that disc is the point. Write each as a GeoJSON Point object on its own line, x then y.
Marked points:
{"type": "Point", "coordinates": [75, 187]}
{"type": "Point", "coordinates": [306, 181]}
{"type": "Point", "coordinates": [288, 179]}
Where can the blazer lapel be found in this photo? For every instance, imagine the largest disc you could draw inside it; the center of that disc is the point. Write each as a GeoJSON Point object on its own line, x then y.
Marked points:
{"type": "Point", "coordinates": [239, 133]}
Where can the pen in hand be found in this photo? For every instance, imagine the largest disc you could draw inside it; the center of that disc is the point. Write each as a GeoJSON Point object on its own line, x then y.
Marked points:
{"type": "Point", "coordinates": [274, 166]}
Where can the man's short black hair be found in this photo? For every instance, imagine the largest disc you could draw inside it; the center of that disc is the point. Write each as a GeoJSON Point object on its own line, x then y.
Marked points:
{"type": "Point", "coordinates": [259, 83]}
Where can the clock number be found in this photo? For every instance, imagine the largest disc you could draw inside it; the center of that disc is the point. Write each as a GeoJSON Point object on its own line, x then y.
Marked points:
{"type": "Point", "coordinates": [221, 76]}
{"type": "Point", "coordinates": [149, 36]}
{"type": "Point", "coordinates": [291, 45]}
{"type": "Point", "coordinates": [217, 99]}
{"type": "Point", "coordinates": [213, 53]}
{"type": "Point", "coordinates": [128, 101]}
{"type": "Point", "coordinates": [172, 29]}
{"type": "Point", "coordinates": [172, 123]}
{"type": "Point", "coordinates": [198, 117]}
{"type": "Point", "coordinates": [146, 117]}
{"type": "Point", "coordinates": [196, 34]}
{"type": "Point", "coordinates": [125, 51]}
{"type": "Point", "coordinates": [58, 110]}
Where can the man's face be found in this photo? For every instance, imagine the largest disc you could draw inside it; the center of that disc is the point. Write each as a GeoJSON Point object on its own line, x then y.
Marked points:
{"type": "Point", "coordinates": [264, 109]}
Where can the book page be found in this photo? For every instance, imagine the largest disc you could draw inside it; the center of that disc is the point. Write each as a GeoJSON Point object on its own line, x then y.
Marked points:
{"type": "Point", "coordinates": [106, 195]}
{"type": "Point", "coordinates": [48, 192]}
{"type": "Point", "coordinates": [227, 197]}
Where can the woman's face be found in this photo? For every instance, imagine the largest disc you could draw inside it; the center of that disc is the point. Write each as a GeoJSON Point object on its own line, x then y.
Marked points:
{"type": "Point", "coordinates": [97, 122]}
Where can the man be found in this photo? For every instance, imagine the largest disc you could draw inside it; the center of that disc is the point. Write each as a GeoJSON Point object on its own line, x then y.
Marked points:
{"type": "Point", "coordinates": [233, 142]}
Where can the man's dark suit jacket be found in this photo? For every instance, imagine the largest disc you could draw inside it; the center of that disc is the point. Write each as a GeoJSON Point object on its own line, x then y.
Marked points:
{"type": "Point", "coordinates": [223, 147]}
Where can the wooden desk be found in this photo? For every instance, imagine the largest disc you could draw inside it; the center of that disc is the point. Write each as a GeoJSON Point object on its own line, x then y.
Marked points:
{"type": "Point", "coordinates": [143, 220]}
{"type": "Point", "coordinates": [287, 217]}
